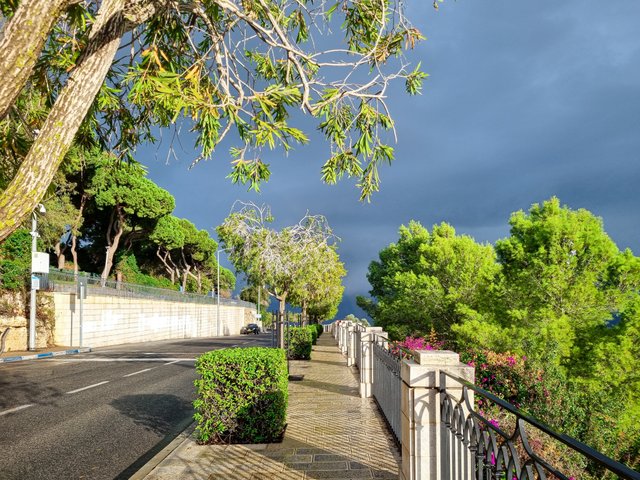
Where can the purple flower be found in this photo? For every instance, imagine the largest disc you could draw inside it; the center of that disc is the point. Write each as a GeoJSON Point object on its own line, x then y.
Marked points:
{"type": "Point", "coordinates": [495, 423]}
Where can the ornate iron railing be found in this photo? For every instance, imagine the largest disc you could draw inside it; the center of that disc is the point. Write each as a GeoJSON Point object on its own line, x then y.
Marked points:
{"type": "Point", "coordinates": [476, 447]}
{"type": "Point", "coordinates": [387, 383]}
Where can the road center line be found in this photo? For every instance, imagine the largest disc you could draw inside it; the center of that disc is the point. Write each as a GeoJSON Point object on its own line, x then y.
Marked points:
{"type": "Point", "coordinates": [88, 387]}
{"type": "Point", "coordinates": [16, 409]}
{"type": "Point", "coordinates": [136, 373]}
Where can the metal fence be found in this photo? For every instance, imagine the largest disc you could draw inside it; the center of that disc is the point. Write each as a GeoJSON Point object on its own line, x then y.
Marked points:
{"type": "Point", "coordinates": [477, 447]}
{"type": "Point", "coordinates": [387, 383]}
{"type": "Point", "coordinates": [64, 281]}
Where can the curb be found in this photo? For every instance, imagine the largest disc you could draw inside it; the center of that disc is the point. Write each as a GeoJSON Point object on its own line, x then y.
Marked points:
{"type": "Point", "coordinates": [164, 453]}
{"type": "Point", "coordinates": [37, 356]}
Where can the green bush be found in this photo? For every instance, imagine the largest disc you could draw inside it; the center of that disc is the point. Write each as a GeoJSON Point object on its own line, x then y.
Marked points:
{"type": "Point", "coordinates": [298, 343]}
{"type": "Point", "coordinates": [319, 328]}
{"type": "Point", "coordinates": [15, 260]}
{"type": "Point", "coordinates": [241, 395]}
{"type": "Point", "coordinates": [314, 334]}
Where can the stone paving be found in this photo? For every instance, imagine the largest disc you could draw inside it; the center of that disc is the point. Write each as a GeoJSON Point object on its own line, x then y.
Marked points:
{"type": "Point", "coordinates": [332, 433]}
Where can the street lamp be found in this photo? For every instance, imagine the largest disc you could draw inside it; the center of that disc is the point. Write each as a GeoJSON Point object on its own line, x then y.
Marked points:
{"type": "Point", "coordinates": [218, 285]}
{"type": "Point", "coordinates": [34, 241]}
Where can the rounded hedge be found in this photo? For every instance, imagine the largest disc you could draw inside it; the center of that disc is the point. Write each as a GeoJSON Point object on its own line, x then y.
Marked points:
{"type": "Point", "coordinates": [241, 395]}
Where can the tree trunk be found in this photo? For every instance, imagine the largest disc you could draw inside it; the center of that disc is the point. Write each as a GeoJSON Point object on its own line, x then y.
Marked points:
{"type": "Point", "coordinates": [74, 237]}
{"type": "Point", "coordinates": [56, 135]}
{"type": "Point", "coordinates": [117, 225]}
{"type": "Point", "coordinates": [282, 307]}
{"type": "Point", "coordinates": [185, 275]}
{"type": "Point", "coordinates": [171, 270]}
{"type": "Point", "coordinates": [60, 249]}
{"type": "Point", "coordinates": [303, 316]}
{"type": "Point", "coordinates": [23, 38]}
{"type": "Point", "coordinates": [74, 254]}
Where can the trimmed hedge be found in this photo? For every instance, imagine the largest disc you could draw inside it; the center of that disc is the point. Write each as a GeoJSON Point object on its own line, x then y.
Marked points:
{"type": "Point", "coordinates": [319, 328]}
{"type": "Point", "coordinates": [241, 395]}
{"type": "Point", "coordinates": [314, 334]}
{"type": "Point", "coordinates": [298, 343]}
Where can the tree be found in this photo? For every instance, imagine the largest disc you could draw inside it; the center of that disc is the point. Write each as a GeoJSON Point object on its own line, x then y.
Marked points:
{"type": "Point", "coordinates": [220, 65]}
{"type": "Point", "coordinates": [276, 259]}
{"type": "Point", "coordinates": [169, 236]}
{"type": "Point", "coordinates": [319, 288]}
{"type": "Point", "coordinates": [555, 289]}
{"type": "Point", "coordinates": [130, 198]}
{"type": "Point", "coordinates": [428, 280]}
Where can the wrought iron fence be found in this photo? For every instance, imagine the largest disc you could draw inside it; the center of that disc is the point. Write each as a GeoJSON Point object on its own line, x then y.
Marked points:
{"type": "Point", "coordinates": [477, 447]}
{"type": "Point", "coordinates": [63, 281]}
{"type": "Point", "coordinates": [387, 383]}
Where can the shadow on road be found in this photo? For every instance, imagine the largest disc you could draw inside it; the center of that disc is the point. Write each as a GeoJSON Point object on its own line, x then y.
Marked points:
{"type": "Point", "coordinates": [155, 412]}
{"type": "Point", "coordinates": [164, 415]}
{"type": "Point", "coordinates": [16, 390]}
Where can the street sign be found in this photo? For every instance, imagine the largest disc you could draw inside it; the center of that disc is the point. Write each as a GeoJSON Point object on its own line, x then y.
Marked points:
{"type": "Point", "coordinates": [258, 316]}
{"type": "Point", "coordinates": [35, 282]}
{"type": "Point", "coordinates": [39, 262]}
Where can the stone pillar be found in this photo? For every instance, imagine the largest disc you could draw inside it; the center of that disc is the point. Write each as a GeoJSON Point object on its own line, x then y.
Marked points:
{"type": "Point", "coordinates": [420, 406]}
{"type": "Point", "coordinates": [351, 345]}
{"type": "Point", "coordinates": [367, 339]}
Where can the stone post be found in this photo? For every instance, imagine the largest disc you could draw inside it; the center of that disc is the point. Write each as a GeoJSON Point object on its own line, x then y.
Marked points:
{"type": "Point", "coordinates": [351, 345]}
{"type": "Point", "coordinates": [420, 406]}
{"type": "Point", "coordinates": [344, 326]}
{"type": "Point", "coordinates": [367, 339]}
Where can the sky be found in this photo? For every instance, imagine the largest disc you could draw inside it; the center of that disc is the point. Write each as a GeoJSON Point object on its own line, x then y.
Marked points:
{"type": "Point", "coordinates": [525, 100]}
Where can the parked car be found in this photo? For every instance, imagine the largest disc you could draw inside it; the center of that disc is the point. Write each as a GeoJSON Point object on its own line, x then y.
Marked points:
{"type": "Point", "coordinates": [251, 328]}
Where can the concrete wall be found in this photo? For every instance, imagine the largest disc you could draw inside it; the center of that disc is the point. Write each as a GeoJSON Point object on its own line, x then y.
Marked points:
{"type": "Point", "coordinates": [113, 320]}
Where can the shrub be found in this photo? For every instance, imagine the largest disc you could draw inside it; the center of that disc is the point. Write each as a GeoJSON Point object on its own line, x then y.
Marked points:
{"type": "Point", "coordinates": [298, 343]}
{"type": "Point", "coordinates": [241, 395]}
{"type": "Point", "coordinates": [319, 328]}
{"type": "Point", "coordinates": [15, 260]}
{"type": "Point", "coordinates": [314, 334]}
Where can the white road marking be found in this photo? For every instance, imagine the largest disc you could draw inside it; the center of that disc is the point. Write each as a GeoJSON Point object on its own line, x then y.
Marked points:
{"type": "Point", "coordinates": [88, 387]}
{"type": "Point", "coordinates": [16, 409]}
{"type": "Point", "coordinates": [175, 361]}
{"type": "Point", "coordinates": [136, 373]}
{"type": "Point", "coordinates": [146, 360]}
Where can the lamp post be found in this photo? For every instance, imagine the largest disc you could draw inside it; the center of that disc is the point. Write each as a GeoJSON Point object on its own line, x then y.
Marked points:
{"type": "Point", "coordinates": [218, 286]}
{"type": "Point", "coordinates": [34, 243]}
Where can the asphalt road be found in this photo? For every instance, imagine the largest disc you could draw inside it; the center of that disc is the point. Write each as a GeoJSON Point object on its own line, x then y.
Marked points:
{"type": "Point", "coordinates": [100, 415]}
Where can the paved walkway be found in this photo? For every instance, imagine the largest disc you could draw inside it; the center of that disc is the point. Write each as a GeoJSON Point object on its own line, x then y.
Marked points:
{"type": "Point", "coordinates": [331, 433]}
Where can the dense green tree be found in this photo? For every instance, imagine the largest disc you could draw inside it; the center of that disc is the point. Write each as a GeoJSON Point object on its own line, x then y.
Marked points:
{"type": "Point", "coordinates": [217, 65]}
{"type": "Point", "coordinates": [557, 288]}
{"type": "Point", "coordinates": [123, 190]}
{"type": "Point", "coordinates": [169, 236]}
{"type": "Point", "coordinates": [428, 280]}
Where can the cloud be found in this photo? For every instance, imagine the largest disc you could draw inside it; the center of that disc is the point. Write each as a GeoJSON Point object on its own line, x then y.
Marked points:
{"type": "Point", "coordinates": [525, 101]}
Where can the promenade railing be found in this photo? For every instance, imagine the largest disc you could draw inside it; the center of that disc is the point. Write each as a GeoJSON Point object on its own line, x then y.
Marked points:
{"type": "Point", "coordinates": [428, 399]}
{"type": "Point", "coordinates": [387, 382]}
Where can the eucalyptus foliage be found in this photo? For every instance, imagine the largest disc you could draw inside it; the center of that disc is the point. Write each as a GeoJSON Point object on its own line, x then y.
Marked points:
{"type": "Point", "coordinates": [112, 71]}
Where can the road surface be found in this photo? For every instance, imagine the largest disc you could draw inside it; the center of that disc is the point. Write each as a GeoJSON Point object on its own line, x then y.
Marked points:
{"type": "Point", "coordinates": [100, 415]}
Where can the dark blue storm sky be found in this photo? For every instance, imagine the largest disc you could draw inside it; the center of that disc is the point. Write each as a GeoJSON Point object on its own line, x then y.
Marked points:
{"type": "Point", "coordinates": [525, 100]}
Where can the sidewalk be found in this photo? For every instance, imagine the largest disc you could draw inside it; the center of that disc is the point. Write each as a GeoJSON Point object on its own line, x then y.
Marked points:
{"type": "Point", "coordinates": [16, 356]}
{"type": "Point", "coordinates": [331, 433]}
